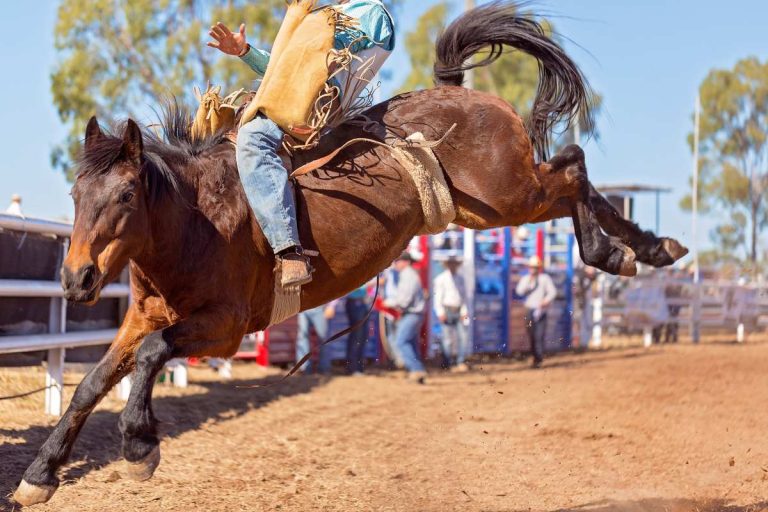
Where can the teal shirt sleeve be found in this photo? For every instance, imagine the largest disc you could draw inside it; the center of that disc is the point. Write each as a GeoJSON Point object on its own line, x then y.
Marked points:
{"type": "Point", "coordinates": [256, 59]}
{"type": "Point", "coordinates": [374, 22]}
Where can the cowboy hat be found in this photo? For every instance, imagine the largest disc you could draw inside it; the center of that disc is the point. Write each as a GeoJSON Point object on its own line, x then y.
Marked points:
{"type": "Point", "coordinates": [535, 261]}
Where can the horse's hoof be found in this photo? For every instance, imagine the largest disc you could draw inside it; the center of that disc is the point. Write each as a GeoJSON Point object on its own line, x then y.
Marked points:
{"type": "Point", "coordinates": [28, 494]}
{"type": "Point", "coordinates": [145, 468]}
{"type": "Point", "coordinates": [628, 263]}
{"type": "Point", "coordinates": [674, 248]}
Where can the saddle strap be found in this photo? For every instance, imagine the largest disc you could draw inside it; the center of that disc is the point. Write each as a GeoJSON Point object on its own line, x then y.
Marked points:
{"type": "Point", "coordinates": [406, 143]}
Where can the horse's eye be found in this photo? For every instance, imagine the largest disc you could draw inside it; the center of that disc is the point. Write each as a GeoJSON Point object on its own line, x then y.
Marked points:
{"type": "Point", "coordinates": [126, 197]}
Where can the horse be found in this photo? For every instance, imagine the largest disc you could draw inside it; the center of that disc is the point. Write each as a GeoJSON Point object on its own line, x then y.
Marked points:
{"type": "Point", "coordinates": [202, 273]}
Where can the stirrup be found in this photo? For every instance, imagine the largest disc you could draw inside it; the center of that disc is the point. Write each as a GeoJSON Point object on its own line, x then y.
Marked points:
{"type": "Point", "coordinates": [287, 280]}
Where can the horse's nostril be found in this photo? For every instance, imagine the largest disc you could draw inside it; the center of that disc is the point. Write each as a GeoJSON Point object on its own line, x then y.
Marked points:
{"type": "Point", "coordinates": [67, 279]}
{"type": "Point", "coordinates": [88, 275]}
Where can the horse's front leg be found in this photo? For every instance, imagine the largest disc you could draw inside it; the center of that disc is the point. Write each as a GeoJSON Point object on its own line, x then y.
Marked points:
{"type": "Point", "coordinates": [40, 481]}
{"type": "Point", "coordinates": [211, 332]}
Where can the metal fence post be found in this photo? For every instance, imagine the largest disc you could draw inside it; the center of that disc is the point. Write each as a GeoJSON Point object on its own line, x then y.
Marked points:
{"type": "Point", "coordinates": [124, 388]}
{"type": "Point", "coordinates": [597, 313]}
{"type": "Point", "coordinates": [54, 380]}
{"type": "Point", "coordinates": [54, 372]}
{"type": "Point", "coordinates": [647, 336]}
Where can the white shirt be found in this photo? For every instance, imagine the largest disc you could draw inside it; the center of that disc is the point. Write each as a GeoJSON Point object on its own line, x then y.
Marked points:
{"type": "Point", "coordinates": [14, 209]}
{"type": "Point", "coordinates": [450, 292]}
{"type": "Point", "coordinates": [409, 296]}
{"type": "Point", "coordinates": [536, 291]}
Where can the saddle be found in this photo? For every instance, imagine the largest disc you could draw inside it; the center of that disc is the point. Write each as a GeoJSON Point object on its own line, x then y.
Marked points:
{"type": "Point", "coordinates": [414, 153]}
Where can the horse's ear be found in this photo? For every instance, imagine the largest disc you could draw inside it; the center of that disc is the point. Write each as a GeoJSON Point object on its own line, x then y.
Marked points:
{"type": "Point", "coordinates": [92, 133]}
{"type": "Point", "coordinates": [133, 143]}
{"type": "Point", "coordinates": [198, 96]}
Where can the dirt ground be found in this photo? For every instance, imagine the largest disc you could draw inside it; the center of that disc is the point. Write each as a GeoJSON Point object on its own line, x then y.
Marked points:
{"type": "Point", "coordinates": [672, 428]}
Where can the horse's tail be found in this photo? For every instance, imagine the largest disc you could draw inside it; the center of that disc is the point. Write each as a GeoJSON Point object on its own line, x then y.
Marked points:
{"type": "Point", "coordinates": [563, 93]}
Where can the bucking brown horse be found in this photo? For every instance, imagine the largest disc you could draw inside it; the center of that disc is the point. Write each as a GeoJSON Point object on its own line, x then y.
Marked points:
{"type": "Point", "coordinates": [201, 270]}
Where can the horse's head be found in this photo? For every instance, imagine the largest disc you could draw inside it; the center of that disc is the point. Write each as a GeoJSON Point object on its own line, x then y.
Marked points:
{"type": "Point", "coordinates": [111, 211]}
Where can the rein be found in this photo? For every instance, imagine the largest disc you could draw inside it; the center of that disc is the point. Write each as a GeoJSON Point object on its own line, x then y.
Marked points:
{"type": "Point", "coordinates": [333, 338]}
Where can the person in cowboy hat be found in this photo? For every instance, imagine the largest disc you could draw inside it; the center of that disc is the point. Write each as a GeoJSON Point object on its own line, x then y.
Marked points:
{"type": "Point", "coordinates": [264, 177]}
{"type": "Point", "coordinates": [409, 300]}
{"type": "Point", "coordinates": [450, 307]}
{"type": "Point", "coordinates": [539, 292]}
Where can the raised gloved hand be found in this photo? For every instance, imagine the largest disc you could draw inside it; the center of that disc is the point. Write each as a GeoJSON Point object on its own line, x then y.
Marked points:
{"type": "Point", "coordinates": [231, 43]}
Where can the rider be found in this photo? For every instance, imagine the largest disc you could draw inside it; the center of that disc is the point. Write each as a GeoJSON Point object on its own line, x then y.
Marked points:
{"type": "Point", "coordinates": [261, 170]}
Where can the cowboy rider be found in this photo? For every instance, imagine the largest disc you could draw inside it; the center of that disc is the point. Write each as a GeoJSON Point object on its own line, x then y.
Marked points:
{"type": "Point", "coordinates": [262, 173]}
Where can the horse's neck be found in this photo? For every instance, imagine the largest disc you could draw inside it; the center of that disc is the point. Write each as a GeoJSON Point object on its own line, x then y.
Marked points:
{"type": "Point", "coordinates": [169, 227]}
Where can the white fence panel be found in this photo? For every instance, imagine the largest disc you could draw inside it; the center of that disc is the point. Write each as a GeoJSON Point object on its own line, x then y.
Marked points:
{"type": "Point", "coordinates": [58, 340]}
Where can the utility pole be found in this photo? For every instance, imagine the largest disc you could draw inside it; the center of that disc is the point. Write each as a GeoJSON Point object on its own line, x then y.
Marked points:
{"type": "Point", "coordinates": [469, 234]}
{"type": "Point", "coordinates": [469, 75]}
{"type": "Point", "coordinates": [696, 316]}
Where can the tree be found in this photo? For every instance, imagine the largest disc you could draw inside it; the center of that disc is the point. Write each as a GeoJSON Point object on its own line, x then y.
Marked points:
{"type": "Point", "coordinates": [120, 58]}
{"type": "Point", "coordinates": [734, 154]}
{"type": "Point", "coordinates": [513, 77]}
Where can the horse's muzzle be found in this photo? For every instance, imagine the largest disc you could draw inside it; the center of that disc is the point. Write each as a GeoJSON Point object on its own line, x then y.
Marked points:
{"type": "Point", "coordinates": [81, 285]}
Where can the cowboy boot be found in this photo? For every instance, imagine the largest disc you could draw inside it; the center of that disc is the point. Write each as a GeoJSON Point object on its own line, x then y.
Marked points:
{"type": "Point", "coordinates": [296, 270]}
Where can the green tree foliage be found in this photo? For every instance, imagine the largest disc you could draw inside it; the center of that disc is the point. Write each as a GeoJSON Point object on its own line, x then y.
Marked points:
{"type": "Point", "coordinates": [120, 58]}
{"type": "Point", "coordinates": [734, 154]}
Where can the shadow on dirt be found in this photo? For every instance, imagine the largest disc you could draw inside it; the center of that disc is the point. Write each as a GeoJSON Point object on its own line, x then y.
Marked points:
{"type": "Point", "coordinates": [667, 505]}
{"type": "Point", "coordinates": [99, 442]}
{"type": "Point", "coordinates": [560, 361]}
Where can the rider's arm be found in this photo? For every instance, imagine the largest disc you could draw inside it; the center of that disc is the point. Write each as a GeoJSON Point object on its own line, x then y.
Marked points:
{"type": "Point", "coordinates": [236, 44]}
{"type": "Point", "coordinates": [256, 59]}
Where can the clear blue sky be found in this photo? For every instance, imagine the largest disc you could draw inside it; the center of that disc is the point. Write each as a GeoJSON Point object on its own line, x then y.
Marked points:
{"type": "Point", "coordinates": [646, 58]}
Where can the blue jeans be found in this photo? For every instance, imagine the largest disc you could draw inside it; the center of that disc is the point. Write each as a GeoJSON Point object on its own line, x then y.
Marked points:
{"type": "Point", "coordinates": [454, 339]}
{"type": "Point", "coordinates": [407, 340]}
{"type": "Point", "coordinates": [313, 318]}
{"type": "Point", "coordinates": [266, 184]}
{"type": "Point", "coordinates": [356, 311]}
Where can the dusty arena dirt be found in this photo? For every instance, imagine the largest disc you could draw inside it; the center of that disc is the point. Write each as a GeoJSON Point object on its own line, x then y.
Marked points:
{"type": "Point", "coordinates": [673, 428]}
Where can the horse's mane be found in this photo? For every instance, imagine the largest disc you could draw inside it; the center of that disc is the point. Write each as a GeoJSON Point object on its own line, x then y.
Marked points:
{"type": "Point", "coordinates": [169, 146]}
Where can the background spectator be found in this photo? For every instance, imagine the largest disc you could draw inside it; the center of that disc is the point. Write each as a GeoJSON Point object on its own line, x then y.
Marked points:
{"type": "Point", "coordinates": [316, 319]}
{"type": "Point", "coordinates": [539, 291]}
{"type": "Point", "coordinates": [15, 207]}
{"type": "Point", "coordinates": [409, 300]}
{"type": "Point", "coordinates": [356, 306]}
{"type": "Point", "coordinates": [450, 306]}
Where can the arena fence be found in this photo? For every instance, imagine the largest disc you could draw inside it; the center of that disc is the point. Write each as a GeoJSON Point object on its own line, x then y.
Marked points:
{"type": "Point", "coordinates": [654, 302]}
{"type": "Point", "coordinates": [57, 340]}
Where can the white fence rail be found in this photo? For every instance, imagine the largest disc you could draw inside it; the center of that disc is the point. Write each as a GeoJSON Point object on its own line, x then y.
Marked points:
{"type": "Point", "coordinates": [721, 306]}
{"type": "Point", "coordinates": [57, 340]}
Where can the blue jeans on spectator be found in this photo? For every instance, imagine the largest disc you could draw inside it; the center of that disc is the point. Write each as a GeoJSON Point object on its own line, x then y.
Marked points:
{"type": "Point", "coordinates": [407, 340]}
{"type": "Point", "coordinates": [356, 311]}
{"type": "Point", "coordinates": [454, 339]}
{"type": "Point", "coordinates": [313, 318]}
{"type": "Point", "coordinates": [265, 181]}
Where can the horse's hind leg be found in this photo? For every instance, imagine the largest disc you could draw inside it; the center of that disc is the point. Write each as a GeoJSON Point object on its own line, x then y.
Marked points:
{"type": "Point", "coordinates": [137, 421]}
{"type": "Point", "coordinates": [40, 482]}
{"type": "Point", "coordinates": [597, 249]}
{"type": "Point", "coordinates": [650, 249]}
